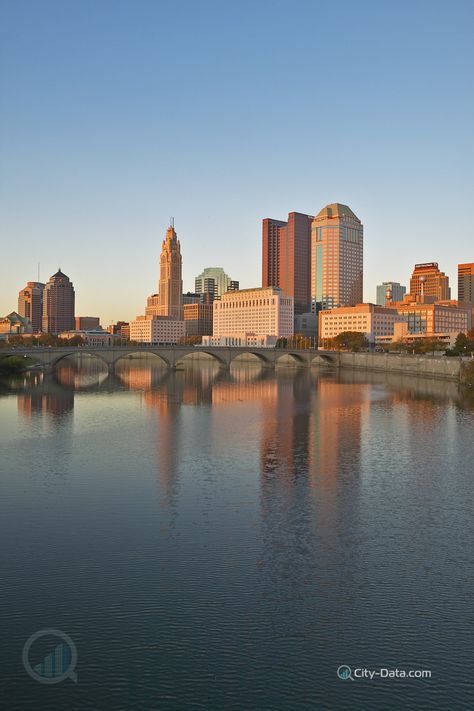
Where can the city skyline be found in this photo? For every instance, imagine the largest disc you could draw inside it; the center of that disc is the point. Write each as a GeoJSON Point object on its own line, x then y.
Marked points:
{"type": "Point", "coordinates": [103, 145]}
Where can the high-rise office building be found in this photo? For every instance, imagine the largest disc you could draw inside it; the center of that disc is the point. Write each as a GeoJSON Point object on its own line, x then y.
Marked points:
{"type": "Point", "coordinates": [30, 304]}
{"type": "Point", "coordinates": [214, 280]}
{"type": "Point", "coordinates": [169, 300]}
{"type": "Point", "coordinates": [286, 257]}
{"type": "Point", "coordinates": [396, 290]}
{"type": "Point", "coordinates": [429, 283]}
{"type": "Point", "coordinates": [466, 283]}
{"type": "Point", "coordinates": [58, 304]}
{"type": "Point", "coordinates": [337, 253]}
{"type": "Point", "coordinates": [271, 251]}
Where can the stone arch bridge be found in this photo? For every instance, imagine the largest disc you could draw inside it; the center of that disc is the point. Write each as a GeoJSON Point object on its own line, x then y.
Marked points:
{"type": "Point", "coordinates": [172, 355]}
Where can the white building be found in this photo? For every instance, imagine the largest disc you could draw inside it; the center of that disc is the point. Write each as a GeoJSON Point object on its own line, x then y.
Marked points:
{"type": "Point", "coordinates": [257, 312]}
{"type": "Point", "coordinates": [156, 330]}
{"type": "Point", "coordinates": [371, 320]}
{"type": "Point", "coordinates": [242, 340]}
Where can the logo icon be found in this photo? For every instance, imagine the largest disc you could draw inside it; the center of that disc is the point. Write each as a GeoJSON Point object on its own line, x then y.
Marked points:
{"type": "Point", "coordinates": [58, 665]}
{"type": "Point", "coordinates": [344, 672]}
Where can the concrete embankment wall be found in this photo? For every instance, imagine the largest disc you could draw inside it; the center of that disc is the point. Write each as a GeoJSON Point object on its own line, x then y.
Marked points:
{"type": "Point", "coordinates": [425, 366]}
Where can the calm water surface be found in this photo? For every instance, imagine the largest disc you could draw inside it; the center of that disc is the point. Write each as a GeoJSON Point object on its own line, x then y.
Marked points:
{"type": "Point", "coordinates": [225, 540]}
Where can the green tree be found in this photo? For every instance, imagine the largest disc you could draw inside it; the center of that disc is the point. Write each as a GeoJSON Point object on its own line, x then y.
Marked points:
{"type": "Point", "coordinates": [351, 341]}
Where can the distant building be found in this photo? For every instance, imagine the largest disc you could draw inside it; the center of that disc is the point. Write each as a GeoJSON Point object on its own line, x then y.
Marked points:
{"type": "Point", "coordinates": [337, 253]}
{"type": "Point", "coordinates": [198, 319]}
{"type": "Point", "coordinates": [240, 340]}
{"type": "Point", "coordinates": [429, 283]}
{"type": "Point", "coordinates": [431, 319]}
{"type": "Point", "coordinates": [286, 257]}
{"type": "Point", "coordinates": [214, 280]}
{"type": "Point", "coordinates": [157, 330]}
{"type": "Point", "coordinates": [14, 325]}
{"type": "Point", "coordinates": [30, 304]}
{"type": "Point", "coordinates": [397, 292]}
{"type": "Point", "coordinates": [466, 283]}
{"type": "Point", "coordinates": [306, 325]}
{"type": "Point", "coordinates": [168, 302]}
{"type": "Point", "coordinates": [260, 311]}
{"type": "Point", "coordinates": [121, 328]}
{"type": "Point", "coordinates": [191, 298]}
{"type": "Point", "coordinates": [58, 304]}
{"type": "Point", "coordinates": [87, 323]}
{"type": "Point", "coordinates": [91, 337]}
{"type": "Point", "coordinates": [371, 320]}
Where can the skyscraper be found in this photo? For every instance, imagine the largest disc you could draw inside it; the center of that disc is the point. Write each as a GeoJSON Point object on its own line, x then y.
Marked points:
{"type": "Point", "coordinates": [58, 304]}
{"type": "Point", "coordinates": [337, 253]}
{"type": "Point", "coordinates": [428, 282]}
{"type": "Point", "coordinates": [286, 257]}
{"type": "Point", "coordinates": [466, 282]}
{"type": "Point", "coordinates": [214, 280]}
{"type": "Point", "coordinates": [169, 300]}
{"type": "Point", "coordinates": [271, 251]}
{"type": "Point", "coordinates": [397, 291]}
{"type": "Point", "coordinates": [30, 303]}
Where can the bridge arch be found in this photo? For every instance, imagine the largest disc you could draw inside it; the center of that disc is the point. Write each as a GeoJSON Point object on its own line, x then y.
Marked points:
{"type": "Point", "coordinates": [132, 352]}
{"type": "Point", "coordinates": [294, 355]}
{"type": "Point", "coordinates": [181, 355]}
{"type": "Point", "coordinates": [83, 351]}
{"type": "Point", "coordinates": [326, 357]}
{"type": "Point", "coordinates": [249, 351]}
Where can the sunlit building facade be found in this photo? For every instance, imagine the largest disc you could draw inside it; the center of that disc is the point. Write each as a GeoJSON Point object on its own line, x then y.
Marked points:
{"type": "Point", "coordinates": [429, 283]}
{"type": "Point", "coordinates": [466, 283]}
{"type": "Point", "coordinates": [30, 304]}
{"type": "Point", "coordinates": [337, 253]}
{"type": "Point", "coordinates": [58, 304]}
{"type": "Point", "coordinates": [262, 312]}
{"type": "Point", "coordinates": [371, 320]}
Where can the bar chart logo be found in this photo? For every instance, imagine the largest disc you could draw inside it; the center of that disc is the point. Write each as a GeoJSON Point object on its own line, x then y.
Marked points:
{"type": "Point", "coordinates": [56, 666]}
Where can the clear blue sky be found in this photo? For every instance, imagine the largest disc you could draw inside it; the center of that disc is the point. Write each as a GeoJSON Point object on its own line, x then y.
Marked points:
{"type": "Point", "coordinates": [117, 114]}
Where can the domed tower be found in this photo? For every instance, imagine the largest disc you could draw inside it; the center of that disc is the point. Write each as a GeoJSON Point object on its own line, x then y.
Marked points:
{"type": "Point", "coordinates": [58, 304]}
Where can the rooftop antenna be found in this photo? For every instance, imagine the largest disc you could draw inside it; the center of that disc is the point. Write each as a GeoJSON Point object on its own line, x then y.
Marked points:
{"type": "Point", "coordinates": [38, 271]}
{"type": "Point", "coordinates": [172, 222]}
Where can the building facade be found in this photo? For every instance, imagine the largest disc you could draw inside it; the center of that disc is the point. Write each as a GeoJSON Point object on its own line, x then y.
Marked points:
{"type": "Point", "coordinates": [30, 304]}
{"type": "Point", "coordinates": [286, 257]}
{"type": "Point", "coordinates": [397, 292]}
{"type": "Point", "coordinates": [370, 319]}
{"type": "Point", "coordinates": [168, 301]}
{"type": "Point", "coordinates": [157, 330]}
{"type": "Point", "coordinates": [466, 283]}
{"type": "Point", "coordinates": [337, 253]}
{"type": "Point", "coordinates": [87, 323]}
{"type": "Point", "coordinates": [198, 319]}
{"type": "Point", "coordinates": [240, 340]}
{"type": "Point", "coordinates": [431, 319]}
{"type": "Point", "coordinates": [58, 304]}
{"type": "Point", "coordinates": [261, 312]}
{"type": "Point", "coordinates": [214, 281]}
{"type": "Point", "coordinates": [428, 282]}
{"type": "Point", "coordinates": [15, 325]}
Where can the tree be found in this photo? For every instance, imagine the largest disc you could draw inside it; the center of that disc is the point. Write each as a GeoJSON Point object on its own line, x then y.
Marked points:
{"type": "Point", "coordinates": [351, 341]}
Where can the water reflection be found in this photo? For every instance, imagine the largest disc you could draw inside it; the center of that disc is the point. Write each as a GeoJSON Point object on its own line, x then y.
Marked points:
{"type": "Point", "coordinates": [238, 525]}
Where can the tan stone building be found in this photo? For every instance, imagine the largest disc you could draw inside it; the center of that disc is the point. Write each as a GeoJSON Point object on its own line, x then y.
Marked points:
{"type": "Point", "coordinates": [157, 330]}
{"type": "Point", "coordinates": [262, 312]}
{"type": "Point", "coordinates": [371, 320]}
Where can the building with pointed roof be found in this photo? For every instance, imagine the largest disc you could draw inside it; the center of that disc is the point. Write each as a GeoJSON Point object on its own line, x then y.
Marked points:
{"type": "Point", "coordinates": [58, 304]}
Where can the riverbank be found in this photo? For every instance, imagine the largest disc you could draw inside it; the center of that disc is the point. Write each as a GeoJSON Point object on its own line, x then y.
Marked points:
{"type": "Point", "coordinates": [439, 367]}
